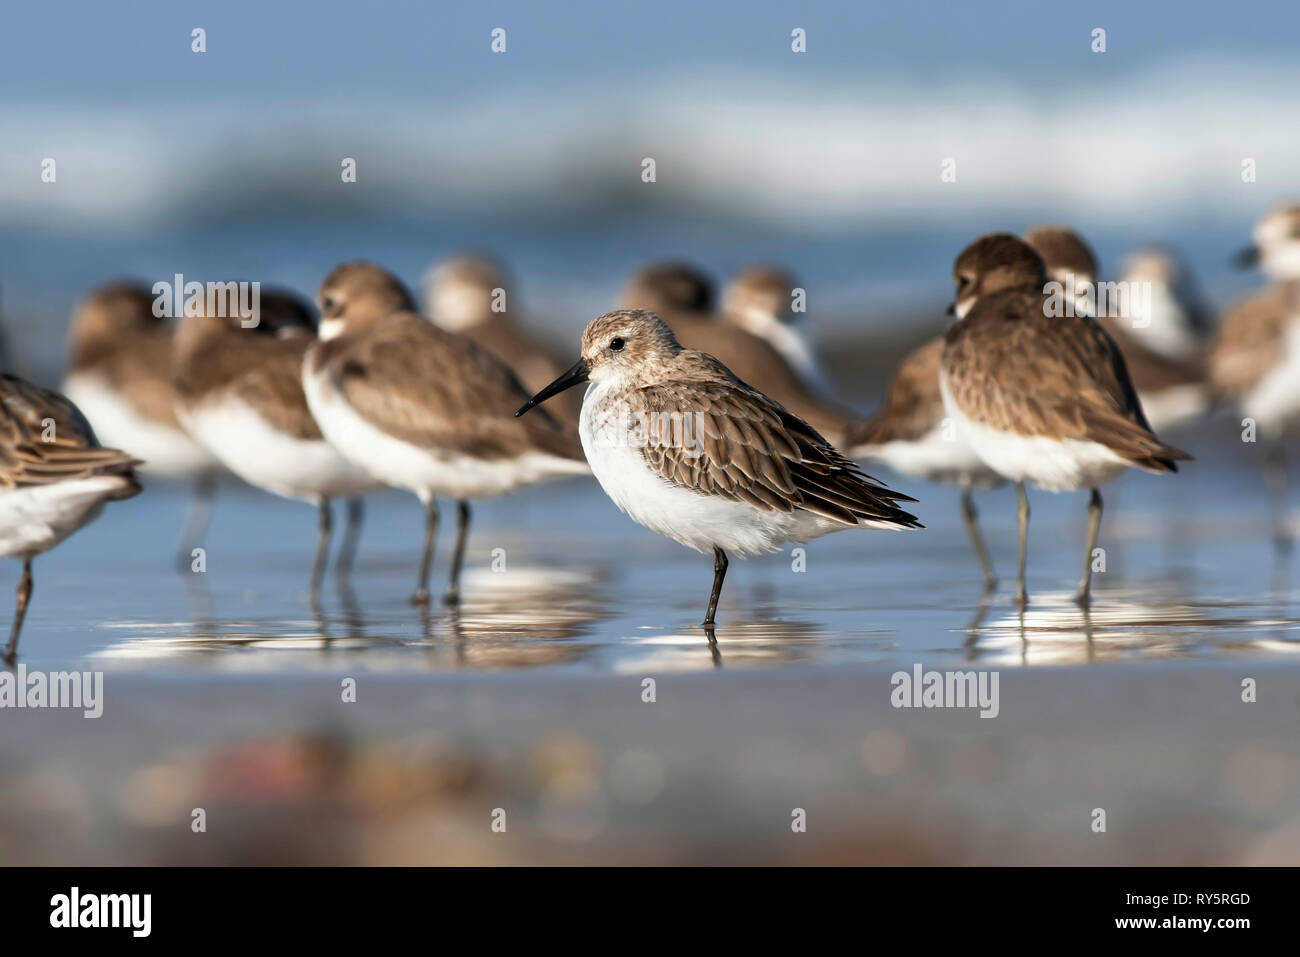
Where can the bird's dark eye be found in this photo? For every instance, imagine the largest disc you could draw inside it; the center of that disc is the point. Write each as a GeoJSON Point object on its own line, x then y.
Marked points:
{"type": "Point", "coordinates": [963, 281]}
{"type": "Point", "coordinates": [615, 344]}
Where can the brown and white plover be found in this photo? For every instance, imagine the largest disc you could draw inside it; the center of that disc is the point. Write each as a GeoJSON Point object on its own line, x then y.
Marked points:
{"type": "Point", "coordinates": [1255, 356]}
{"type": "Point", "coordinates": [1041, 398]}
{"type": "Point", "coordinates": [119, 376]}
{"type": "Point", "coordinates": [760, 300]}
{"type": "Point", "coordinates": [689, 451]}
{"type": "Point", "coordinates": [472, 295]}
{"type": "Point", "coordinates": [684, 298]}
{"type": "Point", "coordinates": [55, 477]}
{"type": "Point", "coordinates": [1140, 313]}
{"type": "Point", "coordinates": [239, 392]}
{"type": "Point", "coordinates": [422, 408]}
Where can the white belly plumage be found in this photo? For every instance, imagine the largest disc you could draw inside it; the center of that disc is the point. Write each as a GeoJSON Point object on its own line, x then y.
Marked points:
{"type": "Point", "coordinates": [941, 455]}
{"type": "Point", "coordinates": [1056, 465]}
{"type": "Point", "coordinates": [426, 473]}
{"type": "Point", "coordinates": [35, 518]}
{"type": "Point", "coordinates": [165, 451]}
{"type": "Point", "coordinates": [261, 455]}
{"type": "Point", "coordinates": [698, 521]}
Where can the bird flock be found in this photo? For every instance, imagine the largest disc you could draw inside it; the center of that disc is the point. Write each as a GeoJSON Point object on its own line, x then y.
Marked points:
{"type": "Point", "coordinates": [714, 426]}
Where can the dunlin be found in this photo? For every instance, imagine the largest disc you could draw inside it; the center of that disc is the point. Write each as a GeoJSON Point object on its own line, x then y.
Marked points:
{"type": "Point", "coordinates": [54, 478]}
{"type": "Point", "coordinates": [240, 394]}
{"type": "Point", "coordinates": [1255, 357]}
{"type": "Point", "coordinates": [1041, 398]}
{"type": "Point", "coordinates": [688, 450]}
{"type": "Point", "coordinates": [683, 297]}
{"type": "Point", "coordinates": [472, 295]}
{"type": "Point", "coordinates": [119, 375]}
{"type": "Point", "coordinates": [760, 300]}
{"type": "Point", "coordinates": [423, 408]}
{"type": "Point", "coordinates": [1171, 384]}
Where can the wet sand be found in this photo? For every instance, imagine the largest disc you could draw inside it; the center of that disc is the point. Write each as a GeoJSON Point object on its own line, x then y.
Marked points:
{"type": "Point", "coordinates": [223, 690]}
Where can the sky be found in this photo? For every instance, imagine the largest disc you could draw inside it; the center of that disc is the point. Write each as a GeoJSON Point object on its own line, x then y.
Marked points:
{"type": "Point", "coordinates": [227, 161]}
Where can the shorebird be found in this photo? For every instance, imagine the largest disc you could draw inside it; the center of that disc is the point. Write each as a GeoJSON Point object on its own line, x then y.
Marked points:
{"type": "Point", "coordinates": [54, 478]}
{"type": "Point", "coordinates": [472, 295]}
{"type": "Point", "coordinates": [760, 300]}
{"type": "Point", "coordinates": [913, 435]}
{"type": "Point", "coordinates": [1040, 398]}
{"type": "Point", "coordinates": [1171, 383]}
{"type": "Point", "coordinates": [689, 451]}
{"type": "Point", "coordinates": [239, 392]}
{"type": "Point", "coordinates": [422, 408]}
{"type": "Point", "coordinates": [1255, 357]}
{"type": "Point", "coordinates": [683, 297]}
{"type": "Point", "coordinates": [119, 375]}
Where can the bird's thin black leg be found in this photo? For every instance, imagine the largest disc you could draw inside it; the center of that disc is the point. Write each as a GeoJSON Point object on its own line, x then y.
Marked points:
{"type": "Point", "coordinates": [458, 557]}
{"type": "Point", "coordinates": [197, 519]}
{"type": "Point", "coordinates": [972, 519]}
{"type": "Point", "coordinates": [356, 513]}
{"type": "Point", "coordinates": [24, 595]}
{"type": "Point", "coordinates": [1094, 522]}
{"type": "Point", "coordinates": [1275, 479]}
{"type": "Point", "coordinates": [421, 596]}
{"type": "Point", "coordinates": [322, 544]}
{"type": "Point", "coordinates": [719, 573]}
{"type": "Point", "coordinates": [1022, 516]}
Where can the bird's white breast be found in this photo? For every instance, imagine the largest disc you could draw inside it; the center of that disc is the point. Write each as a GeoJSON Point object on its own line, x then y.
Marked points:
{"type": "Point", "coordinates": [696, 520]}
{"type": "Point", "coordinates": [165, 451]}
{"type": "Point", "coordinates": [35, 518]}
{"type": "Point", "coordinates": [264, 456]}
{"type": "Point", "coordinates": [1056, 465]}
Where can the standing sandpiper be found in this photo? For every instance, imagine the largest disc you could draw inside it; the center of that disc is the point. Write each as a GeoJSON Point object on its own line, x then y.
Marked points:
{"type": "Point", "coordinates": [423, 408]}
{"type": "Point", "coordinates": [54, 478]}
{"type": "Point", "coordinates": [1255, 358]}
{"type": "Point", "coordinates": [689, 451]}
{"type": "Point", "coordinates": [119, 376]}
{"type": "Point", "coordinates": [240, 394]}
{"type": "Point", "coordinates": [1041, 398]}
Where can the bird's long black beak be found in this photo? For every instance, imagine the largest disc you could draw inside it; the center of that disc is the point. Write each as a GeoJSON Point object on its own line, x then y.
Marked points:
{"type": "Point", "coordinates": [1246, 258]}
{"type": "Point", "coordinates": [952, 309]}
{"type": "Point", "coordinates": [575, 376]}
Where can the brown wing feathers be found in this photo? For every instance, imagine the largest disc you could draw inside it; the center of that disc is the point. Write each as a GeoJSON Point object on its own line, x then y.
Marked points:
{"type": "Point", "coordinates": [46, 439]}
{"type": "Point", "coordinates": [743, 446]}
{"type": "Point", "coordinates": [1015, 369]}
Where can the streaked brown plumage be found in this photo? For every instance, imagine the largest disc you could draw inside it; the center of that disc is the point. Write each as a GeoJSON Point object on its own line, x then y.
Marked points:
{"type": "Point", "coordinates": [436, 389]}
{"type": "Point", "coordinates": [1042, 398]}
{"type": "Point", "coordinates": [54, 479]}
{"type": "Point", "coordinates": [424, 408]}
{"type": "Point", "coordinates": [755, 451]}
{"type": "Point", "coordinates": [44, 438]}
{"type": "Point", "coordinates": [688, 450]}
{"type": "Point", "coordinates": [1068, 257]}
{"type": "Point", "coordinates": [1013, 368]}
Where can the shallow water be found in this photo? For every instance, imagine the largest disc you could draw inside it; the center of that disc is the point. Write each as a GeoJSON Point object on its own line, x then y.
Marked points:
{"type": "Point", "coordinates": [557, 579]}
{"type": "Point", "coordinates": [222, 690]}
